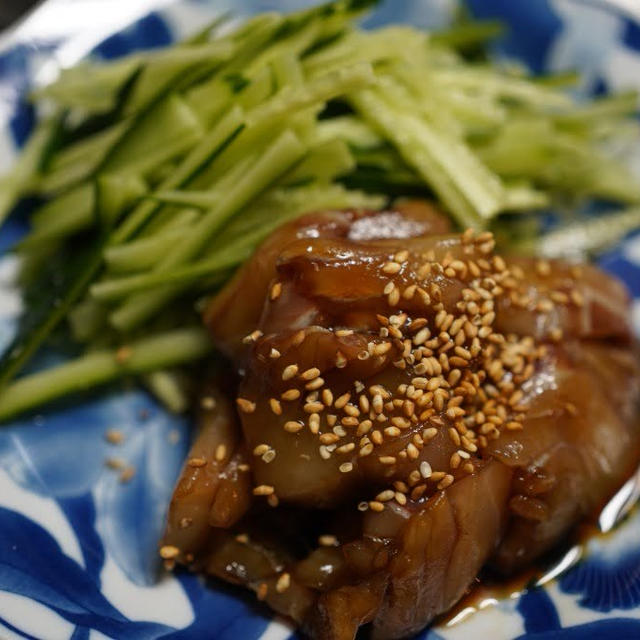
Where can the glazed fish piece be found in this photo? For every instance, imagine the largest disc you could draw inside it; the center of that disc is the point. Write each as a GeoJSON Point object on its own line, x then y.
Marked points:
{"type": "Point", "coordinates": [411, 407]}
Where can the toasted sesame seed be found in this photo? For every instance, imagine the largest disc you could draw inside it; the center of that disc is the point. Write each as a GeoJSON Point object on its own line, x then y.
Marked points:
{"type": "Point", "coordinates": [316, 383]}
{"type": "Point", "coordinates": [263, 490]}
{"type": "Point", "coordinates": [425, 469]}
{"type": "Point", "coordinates": [262, 591]}
{"type": "Point", "coordinates": [274, 353]}
{"type": "Point", "coordinates": [293, 426]}
{"type": "Point", "coordinates": [310, 374]}
{"type": "Point", "coordinates": [346, 448]}
{"type": "Point", "coordinates": [412, 451]}
{"type": "Point", "coordinates": [252, 337]}
{"type": "Point", "coordinates": [559, 297]}
{"type": "Point", "coordinates": [261, 449]}
{"type": "Point", "coordinates": [246, 406]}
{"type": "Point", "coordinates": [327, 397]}
{"type": "Point", "coordinates": [221, 452]}
{"type": "Point", "coordinates": [283, 583]}
{"type": "Point", "coordinates": [374, 505]}
{"type": "Point", "coordinates": [366, 450]}
{"type": "Point", "coordinates": [446, 482]}
{"type": "Point", "coordinates": [290, 372]}
{"type": "Point", "coordinates": [269, 456]}
{"type": "Point", "coordinates": [328, 540]}
{"type": "Point", "coordinates": [276, 290]}
{"type": "Point", "coordinates": [351, 410]}
{"type": "Point", "coordinates": [364, 427]}
{"type": "Point", "coordinates": [400, 498]}
{"type": "Point", "coordinates": [197, 462]}
{"type": "Point", "coordinates": [387, 460]}
{"type": "Point", "coordinates": [275, 406]}
{"type": "Point", "coordinates": [169, 552]}
{"type": "Point", "coordinates": [290, 394]}
{"type": "Point", "coordinates": [340, 361]}
{"type": "Point", "coordinates": [127, 474]}
{"type": "Point", "coordinates": [391, 267]}
{"type": "Point", "coordinates": [114, 436]}
{"type": "Point", "coordinates": [313, 407]}
{"type": "Point", "coordinates": [381, 349]}
{"type": "Point", "coordinates": [123, 354]}
{"type": "Point", "coordinates": [346, 467]}
{"type": "Point", "coordinates": [314, 423]}
{"type": "Point", "coordinates": [429, 433]}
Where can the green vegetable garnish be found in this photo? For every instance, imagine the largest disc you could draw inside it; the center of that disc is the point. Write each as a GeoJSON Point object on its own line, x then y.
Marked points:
{"type": "Point", "coordinates": [163, 171]}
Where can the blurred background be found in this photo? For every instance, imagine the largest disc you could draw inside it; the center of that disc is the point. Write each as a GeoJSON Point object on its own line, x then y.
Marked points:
{"type": "Point", "coordinates": [10, 10]}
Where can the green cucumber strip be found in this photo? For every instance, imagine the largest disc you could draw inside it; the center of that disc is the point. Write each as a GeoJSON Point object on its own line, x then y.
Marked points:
{"type": "Point", "coordinates": [467, 34]}
{"type": "Point", "coordinates": [525, 198]}
{"type": "Point", "coordinates": [211, 98]}
{"type": "Point", "coordinates": [352, 129]}
{"type": "Point", "coordinates": [21, 351]}
{"type": "Point", "coordinates": [281, 204]}
{"type": "Point", "coordinates": [560, 79]}
{"type": "Point", "coordinates": [74, 211]}
{"type": "Point", "coordinates": [86, 319]}
{"type": "Point", "coordinates": [143, 253]}
{"type": "Point", "coordinates": [220, 183]}
{"type": "Point", "coordinates": [428, 153]}
{"type": "Point", "coordinates": [174, 118]}
{"type": "Point", "coordinates": [69, 213]}
{"type": "Point", "coordinates": [78, 161]}
{"type": "Point", "coordinates": [263, 122]}
{"type": "Point", "coordinates": [18, 182]}
{"type": "Point", "coordinates": [580, 238]}
{"type": "Point", "coordinates": [170, 65]}
{"type": "Point", "coordinates": [283, 153]}
{"type": "Point", "coordinates": [265, 216]}
{"type": "Point", "coordinates": [210, 144]}
{"type": "Point", "coordinates": [316, 91]}
{"type": "Point", "coordinates": [93, 88]}
{"type": "Point", "coordinates": [116, 193]}
{"type": "Point", "coordinates": [171, 387]}
{"type": "Point", "coordinates": [160, 351]}
{"type": "Point", "coordinates": [615, 106]}
{"type": "Point", "coordinates": [490, 82]}
{"type": "Point", "coordinates": [287, 70]}
{"type": "Point", "coordinates": [258, 90]}
{"type": "Point", "coordinates": [204, 34]}
{"type": "Point", "coordinates": [116, 289]}
{"type": "Point", "coordinates": [323, 163]}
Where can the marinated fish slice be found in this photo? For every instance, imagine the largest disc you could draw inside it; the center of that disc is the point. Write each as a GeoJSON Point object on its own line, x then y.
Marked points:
{"type": "Point", "coordinates": [231, 322]}
{"type": "Point", "coordinates": [473, 407]}
{"type": "Point", "coordinates": [577, 446]}
{"type": "Point", "coordinates": [214, 487]}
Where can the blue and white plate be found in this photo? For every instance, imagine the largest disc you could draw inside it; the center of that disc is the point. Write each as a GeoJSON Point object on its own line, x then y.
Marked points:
{"type": "Point", "coordinates": [78, 547]}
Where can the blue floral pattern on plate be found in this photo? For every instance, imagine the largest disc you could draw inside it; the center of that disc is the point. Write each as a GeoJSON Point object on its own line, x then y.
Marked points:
{"type": "Point", "coordinates": [78, 547]}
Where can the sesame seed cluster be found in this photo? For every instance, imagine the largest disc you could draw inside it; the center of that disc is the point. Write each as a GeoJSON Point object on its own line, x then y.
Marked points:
{"type": "Point", "coordinates": [464, 378]}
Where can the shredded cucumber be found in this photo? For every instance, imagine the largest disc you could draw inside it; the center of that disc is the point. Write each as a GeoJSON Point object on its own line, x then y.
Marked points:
{"type": "Point", "coordinates": [176, 163]}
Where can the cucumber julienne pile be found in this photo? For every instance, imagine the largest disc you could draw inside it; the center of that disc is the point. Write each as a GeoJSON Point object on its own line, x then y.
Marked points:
{"type": "Point", "coordinates": [160, 172]}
